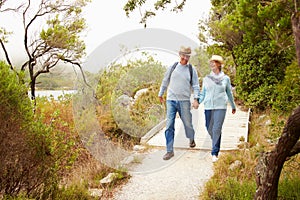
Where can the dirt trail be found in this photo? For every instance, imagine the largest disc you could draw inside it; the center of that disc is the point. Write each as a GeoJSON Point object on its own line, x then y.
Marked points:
{"type": "Point", "coordinates": [181, 177]}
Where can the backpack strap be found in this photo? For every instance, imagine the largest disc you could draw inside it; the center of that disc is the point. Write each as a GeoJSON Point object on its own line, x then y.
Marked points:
{"type": "Point", "coordinates": [172, 69]}
{"type": "Point", "coordinates": [190, 68]}
{"type": "Point", "coordinates": [191, 74]}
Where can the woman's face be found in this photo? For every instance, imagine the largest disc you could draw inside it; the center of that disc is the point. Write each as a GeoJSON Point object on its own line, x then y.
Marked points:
{"type": "Point", "coordinates": [214, 65]}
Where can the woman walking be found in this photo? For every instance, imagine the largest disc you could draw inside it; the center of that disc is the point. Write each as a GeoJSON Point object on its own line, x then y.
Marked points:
{"type": "Point", "coordinates": [215, 94]}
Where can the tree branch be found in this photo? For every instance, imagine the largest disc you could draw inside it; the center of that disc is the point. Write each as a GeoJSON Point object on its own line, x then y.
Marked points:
{"type": "Point", "coordinates": [6, 54]}
{"type": "Point", "coordinates": [79, 66]}
{"type": "Point", "coordinates": [2, 2]}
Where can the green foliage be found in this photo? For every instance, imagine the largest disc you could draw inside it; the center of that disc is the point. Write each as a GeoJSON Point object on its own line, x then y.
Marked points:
{"type": "Point", "coordinates": [34, 150]}
{"type": "Point", "coordinates": [122, 113]}
{"type": "Point", "coordinates": [287, 93]}
{"type": "Point", "coordinates": [259, 37]}
{"type": "Point", "coordinates": [289, 188]}
{"type": "Point", "coordinates": [132, 5]}
{"type": "Point", "coordinates": [13, 96]}
{"type": "Point", "coordinates": [73, 192]}
{"type": "Point", "coordinates": [4, 34]}
{"type": "Point", "coordinates": [200, 61]}
{"type": "Point", "coordinates": [65, 34]}
{"type": "Point", "coordinates": [233, 190]}
{"type": "Point", "coordinates": [275, 128]}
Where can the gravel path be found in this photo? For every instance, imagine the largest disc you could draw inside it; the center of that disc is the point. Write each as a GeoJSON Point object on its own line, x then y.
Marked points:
{"type": "Point", "coordinates": [182, 177]}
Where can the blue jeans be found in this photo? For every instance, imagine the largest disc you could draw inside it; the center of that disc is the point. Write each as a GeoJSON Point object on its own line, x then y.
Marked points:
{"type": "Point", "coordinates": [184, 110]}
{"type": "Point", "coordinates": [214, 120]}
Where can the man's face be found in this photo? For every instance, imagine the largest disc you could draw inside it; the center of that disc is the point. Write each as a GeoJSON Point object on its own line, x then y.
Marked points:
{"type": "Point", "coordinates": [184, 58]}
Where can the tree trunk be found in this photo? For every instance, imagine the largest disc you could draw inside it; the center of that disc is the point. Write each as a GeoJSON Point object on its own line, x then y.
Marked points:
{"type": "Point", "coordinates": [270, 164]}
{"type": "Point", "coordinates": [32, 92]}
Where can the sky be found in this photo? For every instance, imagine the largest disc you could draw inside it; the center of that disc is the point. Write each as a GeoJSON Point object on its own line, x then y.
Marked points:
{"type": "Point", "coordinates": [109, 19]}
{"type": "Point", "coordinates": [106, 19]}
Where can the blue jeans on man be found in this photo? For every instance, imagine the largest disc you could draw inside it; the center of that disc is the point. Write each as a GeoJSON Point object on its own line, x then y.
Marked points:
{"type": "Point", "coordinates": [184, 110]}
{"type": "Point", "coordinates": [214, 120]}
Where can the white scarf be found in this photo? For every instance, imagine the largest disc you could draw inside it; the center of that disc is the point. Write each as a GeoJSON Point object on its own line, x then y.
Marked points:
{"type": "Point", "coordinates": [216, 78]}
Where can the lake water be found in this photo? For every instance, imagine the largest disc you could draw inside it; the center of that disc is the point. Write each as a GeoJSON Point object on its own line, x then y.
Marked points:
{"type": "Point", "coordinates": [52, 93]}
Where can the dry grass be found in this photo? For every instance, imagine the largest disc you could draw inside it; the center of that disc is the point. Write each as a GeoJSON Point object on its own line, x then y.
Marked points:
{"type": "Point", "coordinates": [86, 172]}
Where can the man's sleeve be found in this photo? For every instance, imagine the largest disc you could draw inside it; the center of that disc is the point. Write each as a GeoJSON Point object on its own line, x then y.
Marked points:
{"type": "Point", "coordinates": [165, 82]}
{"type": "Point", "coordinates": [195, 86]}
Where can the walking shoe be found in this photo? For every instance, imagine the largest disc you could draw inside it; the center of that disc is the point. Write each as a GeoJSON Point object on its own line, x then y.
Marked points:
{"type": "Point", "coordinates": [168, 155]}
{"type": "Point", "coordinates": [192, 144]}
{"type": "Point", "coordinates": [214, 158]}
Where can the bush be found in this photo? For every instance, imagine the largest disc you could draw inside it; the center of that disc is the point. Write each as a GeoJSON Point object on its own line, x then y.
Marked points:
{"type": "Point", "coordinates": [287, 93]}
{"type": "Point", "coordinates": [33, 153]}
{"type": "Point", "coordinates": [259, 69]}
{"type": "Point", "coordinates": [127, 119]}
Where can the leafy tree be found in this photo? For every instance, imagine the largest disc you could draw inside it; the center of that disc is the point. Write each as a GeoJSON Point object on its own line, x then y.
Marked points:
{"type": "Point", "coordinates": [257, 35]}
{"type": "Point", "coordinates": [58, 40]}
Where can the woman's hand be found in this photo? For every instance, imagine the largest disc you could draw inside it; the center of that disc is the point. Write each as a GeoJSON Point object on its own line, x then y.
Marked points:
{"type": "Point", "coordinates": [195, 104]}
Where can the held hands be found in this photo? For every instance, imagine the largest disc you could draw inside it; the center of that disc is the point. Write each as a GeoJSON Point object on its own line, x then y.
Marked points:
{"type": "Point", "coordinates": [195, 104]}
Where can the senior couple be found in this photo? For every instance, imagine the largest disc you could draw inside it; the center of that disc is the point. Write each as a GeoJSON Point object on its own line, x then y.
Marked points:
{"type": "Point", "coordinates": [179, 81]}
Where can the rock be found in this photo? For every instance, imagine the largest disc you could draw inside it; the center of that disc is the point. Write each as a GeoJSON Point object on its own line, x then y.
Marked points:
{"type": "Point", "coordinates": [109, 178]}
{"type": "Point", "coordinates": [124, 100]}
{"type": "Point", "coordinates": [95, 192]}
{"type": "Point", "coordinates": [140, 92]}
{"type": "Point", "coordinates": [138, 148]}
{"type": "Point", "coordinates": [235, 165]}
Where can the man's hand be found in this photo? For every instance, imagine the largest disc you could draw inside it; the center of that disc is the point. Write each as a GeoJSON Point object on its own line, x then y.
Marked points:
{"type": "Point", "coordinates": [161, 99]}
{"type": "Point", "coordinates": [195, 104]}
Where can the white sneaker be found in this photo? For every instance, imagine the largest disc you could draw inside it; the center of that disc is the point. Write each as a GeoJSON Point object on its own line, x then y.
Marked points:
{"type": "Point", "coordinates": [214, 158]}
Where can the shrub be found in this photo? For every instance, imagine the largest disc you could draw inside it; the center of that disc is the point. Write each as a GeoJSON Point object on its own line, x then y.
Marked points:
{"type": "Point", "coordinates": [126, 123]}
{"type": "Point", "coordinates": [259, 69]}
{"type": "Point", "coordinates": [287, 93]}
{"type": "Point", "coordinates": [33, 153]}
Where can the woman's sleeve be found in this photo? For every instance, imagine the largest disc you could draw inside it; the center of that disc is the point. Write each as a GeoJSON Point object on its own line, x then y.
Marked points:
{"type": "Point", "coordinates": [202, 93]}
{"type": "Point", "coordinates": [229, 93]}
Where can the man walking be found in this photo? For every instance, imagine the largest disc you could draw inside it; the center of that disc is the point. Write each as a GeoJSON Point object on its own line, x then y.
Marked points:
{"type": "Point", "coordinates": [180, 80]}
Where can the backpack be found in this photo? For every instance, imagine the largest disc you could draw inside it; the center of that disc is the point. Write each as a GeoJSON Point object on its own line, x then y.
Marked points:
{"type": "Point", "coordinates": [190, 68]}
